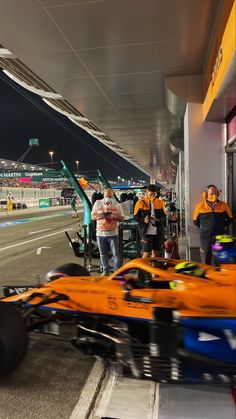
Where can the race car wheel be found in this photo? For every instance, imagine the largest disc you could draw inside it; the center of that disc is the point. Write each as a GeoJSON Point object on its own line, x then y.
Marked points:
{"type": "Point", "coordinates": [13, 338]}
{"type": "Point", "coordinates": [68, 269]}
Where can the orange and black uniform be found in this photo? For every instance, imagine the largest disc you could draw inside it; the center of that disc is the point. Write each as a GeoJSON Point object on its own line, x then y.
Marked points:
{"type": "Point", "coordinates": [142, 209]}
{"type": "Point", "coordinates": [212, 219]}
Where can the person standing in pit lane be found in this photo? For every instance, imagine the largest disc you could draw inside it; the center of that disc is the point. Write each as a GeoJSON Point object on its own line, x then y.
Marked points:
{"type": "Point", "coordinates": [150, 214]}
{"type": "Point", "coordinates": [211, 216]}
{"type": "Point", "coordinates": [10, 202]}
{"type": "Point", "coordinates": [108, 213]}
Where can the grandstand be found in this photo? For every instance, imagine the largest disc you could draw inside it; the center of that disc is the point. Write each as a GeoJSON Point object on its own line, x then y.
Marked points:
{"type": "Point", "coordinates": [22, 184]}
{"type": "Point", "coordinates": [24, 190]}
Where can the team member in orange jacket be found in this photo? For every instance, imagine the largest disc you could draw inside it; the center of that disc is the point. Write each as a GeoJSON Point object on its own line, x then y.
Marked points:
{"type": "Point", "coordinates": [150, 214]}
{"type": "Point", "coordinates": [211, 216]}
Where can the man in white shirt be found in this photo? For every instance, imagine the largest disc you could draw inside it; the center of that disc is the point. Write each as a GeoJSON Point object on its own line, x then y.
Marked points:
{"type": "Point", "coordinates": [108, 212]}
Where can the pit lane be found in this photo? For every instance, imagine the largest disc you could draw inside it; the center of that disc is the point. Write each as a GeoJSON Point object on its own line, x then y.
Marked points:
{"type": "Point", "coordinates": [49, 382]}
{"type": "Point", "coordinates": [32, 244]}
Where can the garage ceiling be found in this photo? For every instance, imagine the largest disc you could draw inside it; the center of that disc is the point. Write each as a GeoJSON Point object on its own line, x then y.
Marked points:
{"type": "Point", "coordinates": [109, 59]}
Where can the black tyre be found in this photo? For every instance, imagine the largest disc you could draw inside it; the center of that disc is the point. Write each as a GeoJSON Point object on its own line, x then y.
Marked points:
{"type": "Point", "coordinates": [68, 269]}
{"type": "Point", "coordinates": [13, 338]}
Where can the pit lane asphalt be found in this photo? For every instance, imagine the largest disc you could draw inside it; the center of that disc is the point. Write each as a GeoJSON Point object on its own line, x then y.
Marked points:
{"type": "Point", "coordinates": [32, 243]}
{"type": "Point", "coordinates": [49, 381]}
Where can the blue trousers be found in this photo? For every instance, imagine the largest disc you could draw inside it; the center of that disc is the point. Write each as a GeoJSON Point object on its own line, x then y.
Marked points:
{"type": "Point", "coordinates": [104, 244]}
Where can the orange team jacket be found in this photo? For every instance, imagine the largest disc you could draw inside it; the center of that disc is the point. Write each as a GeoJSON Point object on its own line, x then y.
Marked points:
{"type": "Point", "coordinates": [143, 208]}
{"type": "Point", "coordinates": [213, 220]}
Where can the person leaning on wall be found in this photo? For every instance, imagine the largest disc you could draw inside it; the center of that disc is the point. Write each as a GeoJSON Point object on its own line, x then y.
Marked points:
{"type": "Point", "coordinates": [212, 217]}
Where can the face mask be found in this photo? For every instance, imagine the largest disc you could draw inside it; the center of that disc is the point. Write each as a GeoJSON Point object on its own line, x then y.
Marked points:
{"type": "Point", "coordinates": [108, 201]}
{"type": "Point", "coordinates": [212, 198]}
{"type": "Point", "coordinates": [151, 196]}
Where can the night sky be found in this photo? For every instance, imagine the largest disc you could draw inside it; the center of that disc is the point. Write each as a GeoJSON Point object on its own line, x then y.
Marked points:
{"type": "Point", "coordinates": [24, 115]}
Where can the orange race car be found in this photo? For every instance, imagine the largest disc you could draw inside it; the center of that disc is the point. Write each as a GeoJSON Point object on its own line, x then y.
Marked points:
{"type": "Point", "coordinates": [169, 320]}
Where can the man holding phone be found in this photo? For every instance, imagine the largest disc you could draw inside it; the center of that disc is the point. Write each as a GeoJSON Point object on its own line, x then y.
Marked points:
{"type": "Point", "coordinates": [108, 213]}
{"type": "Point", "coordinates": [150, 214]}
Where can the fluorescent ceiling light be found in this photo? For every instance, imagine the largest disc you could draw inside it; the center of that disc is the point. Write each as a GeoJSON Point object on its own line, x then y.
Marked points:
{"type": "Point", "coordinates": [32, 89]}
{"type": "Point", "coordinates": [71, 116]}
{"type": "Point", "coordinates": [5, 53]}
{"type": "Point", "coordinates": [96, 134]}
{"type": "Point", "coordinates": [77, 123]}
{"type": "Point", "coordinates": [93, 131]}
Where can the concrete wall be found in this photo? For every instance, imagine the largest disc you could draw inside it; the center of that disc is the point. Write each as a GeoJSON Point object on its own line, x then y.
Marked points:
{"type": "Point", "coordinates": [204, 162]}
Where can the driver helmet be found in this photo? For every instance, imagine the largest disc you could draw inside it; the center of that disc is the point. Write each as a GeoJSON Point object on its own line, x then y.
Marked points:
{"type": "Point", "coordinates": [190, 268]}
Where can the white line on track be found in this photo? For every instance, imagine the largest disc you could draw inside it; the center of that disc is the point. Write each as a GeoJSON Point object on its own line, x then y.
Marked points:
{"type": "Point", "coordinates": [39, 250]}
{"type": "Point", "coordinates": [32, 240]}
